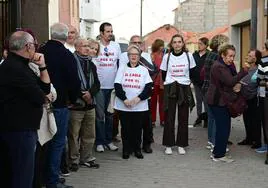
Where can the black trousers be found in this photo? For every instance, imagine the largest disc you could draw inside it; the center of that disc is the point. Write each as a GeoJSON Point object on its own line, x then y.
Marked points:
{"type": "Point", "coordinates": [17, 158]}
{"type": "Point", "coordinates": [40, 165]}
{"type": "Point", "coordinates": [147, 127]}
{"type": "Point", "coordinates": [169, 128]}
{"type": "Point", "coordinates": [263, 103]}
{"type": "Point", "coordinates": [131, 128]}
{"type": "Point", "coordinates": [252, 121]}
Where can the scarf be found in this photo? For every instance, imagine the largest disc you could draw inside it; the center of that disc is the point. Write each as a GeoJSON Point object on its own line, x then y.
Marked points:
{"type": "Point", "coordinates": [231, 67]}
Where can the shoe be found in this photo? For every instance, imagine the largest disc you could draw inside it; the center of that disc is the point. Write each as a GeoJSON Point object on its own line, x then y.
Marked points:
{"type": "Point", "coordinates": [262, 149]}
{"type": "Point", "coordinates": [112, 147]}
{"type": "Point", "coordinates": [90, 164]}
{"type": "Point", "coordinates": [147, 149]}
{"type": "Point", "coordinates": [62, 180]}
{"type": "Point", "coordinates": [223, 159]}
{"type": "Point", "coordinates": [197, 122]}
{"type": "Point", "coordinates": [255, 146]}
{"type": "Point", "coordinates": [168, 151]}
{"type": "Point", "coordinates": [74, 167]}
{"type": "Point", "coordinates": [125, 155]}
{"type": "Point", "coordinates": [181, 150]}
{"type": "Point", "coordinates": [61, 185]}
{"type": "Point", "coordinates": [153, 125]}
{"type": "Point", "coordinates": [116, 140]}
{"type": "Point", "coordinates": [209, 146]}
{"type": "Point", "coordinates": [138, 154]}
{"type": "Point", "coordinates": [266, 160]}
{"type": "Point", "coordinates": [229, 143]}
{"type": "Point", "coordinates": [162, 124]}
{"type": "Point", "coordinates": [100, 148]}
{"type": "Point", "coordinates": [65, 172]}
{"type": "Point", "coordinates": [244, 142]}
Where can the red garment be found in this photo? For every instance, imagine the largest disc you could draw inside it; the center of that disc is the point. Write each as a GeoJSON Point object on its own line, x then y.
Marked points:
{"type": "Point", "coordinates": [157, 97]}
{"type": "Point", "coordinates": [157, 59]}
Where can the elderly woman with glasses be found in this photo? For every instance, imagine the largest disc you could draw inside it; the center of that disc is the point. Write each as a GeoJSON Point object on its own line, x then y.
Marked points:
{"type": "Point", "coordinates": [132, 87]}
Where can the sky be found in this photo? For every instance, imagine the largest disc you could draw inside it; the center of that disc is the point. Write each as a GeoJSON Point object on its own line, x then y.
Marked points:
{"type": "Point", "coordinates": [124, 15]}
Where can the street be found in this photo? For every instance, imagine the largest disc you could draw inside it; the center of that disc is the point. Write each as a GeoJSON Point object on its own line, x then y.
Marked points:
{"type": "Point", "coordinates": [193, 170]}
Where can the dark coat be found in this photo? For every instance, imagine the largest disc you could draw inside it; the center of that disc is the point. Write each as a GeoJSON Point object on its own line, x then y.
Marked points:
{"type": "Point", "coordinates": [221, 84]}
{"type": "Point", "coordinates": [21, 95]}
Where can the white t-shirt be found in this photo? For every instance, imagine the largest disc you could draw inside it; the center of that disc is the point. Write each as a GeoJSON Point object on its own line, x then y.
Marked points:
{"type": "Point", "coordinates": [69, 47]}
{"type": "Point", "coordinates": [106, 64]}
{"type": "Point", "coordinates": [124, 58]}
{"type": "Point", "coordinates": [178, 68]}
{"type": "Point", "coordinates": [133, 81]}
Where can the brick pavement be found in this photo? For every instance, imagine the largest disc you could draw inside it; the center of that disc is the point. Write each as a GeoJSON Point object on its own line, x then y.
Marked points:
{"type": "Point", "coordinates": [193, 170]}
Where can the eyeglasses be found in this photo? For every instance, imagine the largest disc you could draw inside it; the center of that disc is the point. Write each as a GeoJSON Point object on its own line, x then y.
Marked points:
{"type": "Point", "coordinates": [106, 51]}
{"type": "Point", "coordinates": [35, 44]}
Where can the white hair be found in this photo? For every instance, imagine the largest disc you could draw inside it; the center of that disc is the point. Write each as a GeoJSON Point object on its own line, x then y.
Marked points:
{"type": "Point", "coordinates": [59, 31]}
{"type": "Point", "coordinates": [18, 40]}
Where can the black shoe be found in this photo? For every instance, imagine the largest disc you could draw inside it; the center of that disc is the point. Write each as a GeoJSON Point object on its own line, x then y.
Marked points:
{"type": "Point", "coordinates": [90, 164]}
{"type": "Point", "coordinates": [229, 143]}
{"type": "Point", "coordinates": [62, 180]}
{"type": "Point", "coordinates": [244, 142]}
{"type": "Point", "coordinates": [147, 149]}
{"type": "Point", "coordinates": [255, 146]}
{"type": "Point", "coordinates": [125, 155]}
{"type": "Point", "coordinates": [266, 160]}
{"type": "Point", "coordinates": [74, 167]}
{"type": "Point", "coordinates": [197, 122]}
{"type": "Point", "coordinates": [138, 154]}
{"type": "Point", "coordinates": [65, 172]}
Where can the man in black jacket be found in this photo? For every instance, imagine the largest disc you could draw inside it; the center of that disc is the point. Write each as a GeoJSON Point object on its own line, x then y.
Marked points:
{"type": "Point", "coordinates": [22, 95]}
{"type": "Point", "coordinates": [63, 73]}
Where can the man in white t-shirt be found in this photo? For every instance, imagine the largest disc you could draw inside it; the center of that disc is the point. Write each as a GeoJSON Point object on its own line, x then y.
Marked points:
{"type": "Point", "coordinates": [107, 65]}
{"type": "Point", "coordinates": [146, 62]}
{"type": "Point", "coordinates": [72, 36]}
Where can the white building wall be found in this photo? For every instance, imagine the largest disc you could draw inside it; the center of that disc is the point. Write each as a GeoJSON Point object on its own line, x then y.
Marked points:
{"type": "Point", "coordinates": [89, 14]}
{"type": "Point", "coordinates": [53, 12]}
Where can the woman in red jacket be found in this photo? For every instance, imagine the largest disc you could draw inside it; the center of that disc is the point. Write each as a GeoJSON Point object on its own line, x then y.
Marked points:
{"type": "Point", "coordinates": [158, 91]}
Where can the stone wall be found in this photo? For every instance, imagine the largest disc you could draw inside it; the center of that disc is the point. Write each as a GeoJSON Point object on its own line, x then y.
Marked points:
{"type": "Point", "coordinates": [202, 15]}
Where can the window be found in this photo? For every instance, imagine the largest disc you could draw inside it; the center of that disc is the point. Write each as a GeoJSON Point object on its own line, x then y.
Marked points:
{"type": "Point", "coordinates": [87, 1]}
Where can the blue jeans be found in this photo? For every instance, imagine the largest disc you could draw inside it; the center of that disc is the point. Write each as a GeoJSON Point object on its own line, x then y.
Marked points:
{"type": "Point", "coordinates": [211, 126]}
{"type": "Point", "coordinates": [223, 127]}
{"type": "Point", "coordinates": [17, 158]}
{"type": "Point", "coordinates": [56, 145]}
{"type": "Point", "coordinates": [104, 119]}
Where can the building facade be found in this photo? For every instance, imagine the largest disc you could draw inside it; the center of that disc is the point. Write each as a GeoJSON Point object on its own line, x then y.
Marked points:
{"type": "Point", "coordinates": [240, 30]}
{"type": "Point", "coordinates": [201, 15]}
{"type": "Point", "coordinates": [89, 13]}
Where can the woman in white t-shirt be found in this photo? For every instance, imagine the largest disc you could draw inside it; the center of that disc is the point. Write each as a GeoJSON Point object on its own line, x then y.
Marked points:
{"type": "Point", "coordinates": [176, 67]}
{"type": "Point", "coordinates": [132, 88]}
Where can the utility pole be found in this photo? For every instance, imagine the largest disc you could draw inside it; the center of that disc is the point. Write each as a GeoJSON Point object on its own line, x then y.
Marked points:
{"type": "Point", "coordinates": [253, 24]}
{"type": "Point", "coordinates": [141, 20]}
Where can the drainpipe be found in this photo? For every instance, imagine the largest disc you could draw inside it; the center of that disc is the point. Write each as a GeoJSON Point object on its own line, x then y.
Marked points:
{"type": "Point", "coordinates": [253, 24]}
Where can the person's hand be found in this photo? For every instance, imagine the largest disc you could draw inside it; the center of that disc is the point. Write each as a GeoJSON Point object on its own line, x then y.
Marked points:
{"type": "Point", "coordinates": [135, 101]}
{"type": "Point", "coordinates": [127, 103]}
{"type": "Point", "coordinates": [39, 60]}
{"type": "Point", "coordinates": [87, 97]}
{"type": "Point", "coordinates": [49, 97]}
{"type": "Point", "coordinates": [237, 87]}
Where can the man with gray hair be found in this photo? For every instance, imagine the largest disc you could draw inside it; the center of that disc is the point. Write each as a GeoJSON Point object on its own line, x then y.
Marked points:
{"type": "Point", "coordinates": [22, 95]}
{"type": "Point", "coordinates": [63, 73]}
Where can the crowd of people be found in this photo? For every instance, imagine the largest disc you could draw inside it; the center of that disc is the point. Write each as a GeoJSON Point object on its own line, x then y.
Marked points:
{"type": "Point", "coordinates": [65, 98]}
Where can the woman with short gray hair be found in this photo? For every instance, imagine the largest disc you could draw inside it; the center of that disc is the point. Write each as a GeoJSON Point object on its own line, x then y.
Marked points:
{"type": "Point", "coordinates": [132, 88]}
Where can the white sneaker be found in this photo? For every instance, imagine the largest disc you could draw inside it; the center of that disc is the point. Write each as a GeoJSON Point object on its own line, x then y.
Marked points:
{"type": "Point", "coordinates": [223, 159]}
{"type": "Point", "coordinates": [181, 150]}
{"type": "Point", "coordinates": [209, 146]}
{"type": "Point", "coordinates": [112, 147]}
{"type": "Point", "coordinates": [168, 151]}
{"type": "Point", "coordinates": [100, 148]}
